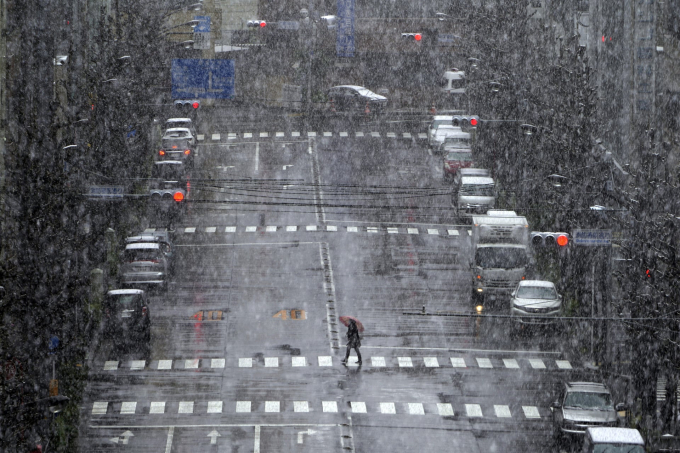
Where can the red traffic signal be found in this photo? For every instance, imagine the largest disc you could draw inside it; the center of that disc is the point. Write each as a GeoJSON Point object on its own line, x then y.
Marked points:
{"type": "Point", "coordinates": [414, 36]}
{"type": "Point", "coordinates": [178, 196]}
{"type": "Point", "coordinates": [256, 23]}
{"type": "Point", "coordinates": [185, 104]}
{"type": "Point", "coordinates": [541, 239]}
{"type": "Point", "coordinates": [469, 121]}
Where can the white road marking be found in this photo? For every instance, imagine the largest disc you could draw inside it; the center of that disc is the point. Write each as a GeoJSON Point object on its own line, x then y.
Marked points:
{"type": "Point", "coordinates": [99, 407]}
{"type": "Point", "coordinates": [353, 361]}
{"type": "Point", "coordinates": [377, 361]}
{"type": "Point", "coordinates": [157, 407]}
{"type": "Point", "coordinates": [391, 135]}
{"type": "Point", "coordinates": [406, 135]}
{"type": "Point", "coordinates": [327, 134]}
{"type": "Point", "coordinates": [311, 227]}
{"type": "Point", "coordinates": [215, 137]}
{"type": "Point", "coordinates": [392, 230]}
{"type": "Point", "coordinates": [245, 362]}
{"type": "Point", "coordinates": [300, 406]}
{"type": "Point", "coordinates": [271, 361]}
{"type": "Point", "coordinates": [272, 406]}
{"type": "Point", "coordinates": [432, 231]}
{"type": "Point", "coordinates": [168, 444]}
{"type": "Point", "coordinates": [291, 228]}
{"type": "Point", "coordinates": [325, 360]}
{"type": "Point", "coordinates": [299, 361]}
{"type": "Point", "coordinates": [458, 362]}
{"type": "Point", "coordinates": [295, 134]}
{"type": "Point", "coordinates": [165, 364]}
{"type": "Point", "coordinates": [330, 406]}
{"type": "Point", "coordinates": [445, 409]}
{"type": "Point", "coordinates": [210, 229]}
{"type": "Point", "coordinates": [136, 365]}
{"type": "Point", "coordinates": [200, 137]}
{"type": "Point", "coordinates": [230, 229]}
{"type": "Point", "coordinates": [387, 408]}
{"type": "Point", "coordinates": [416, 409]}
{"type": "Point", "coordinates": [484, 363]}
{"type": "Point", "coordinates": [431, 362]}
{"type": "Point", "coordinates": [190, 230]}
{"type": "Point", "coordinates": [251, 229]}
{"type": "Point", "coordinates": [264, 134]}
{"type": "Point", "coordinates": [311, 134]}
{"type": "Point", "coordinates": [453, 232]}
{"type": "Point", "coordinates": [128, 407]}
{"type": "Point", "coordinates": [563, 364]}
{"type": "Point", "coordinates": [531, 412]}
{"type": "Point", "coordinates": [502, 411]}
{"type": "Point", "coordinates": [257, 156]}
{"type": "Point", "coordinates": [510, 363]}
{"type": "Point", "coordinates": [537, 364]}
{"type": "Point", "coordinates": [422, 135]}
{"type": "Point", "coordinates": [412, 230]}
{"type": "Point", "coordinates": [473, 410]}
{"type": "Point", "coordinates": [111, 365]}
{"type": "Point", "coordinates": [247, 135]}
{"type": "Point", "coordinates": [405, 361]}
{"type": "Point", "coordinates": [217, 363]}
{"type": "Point", "coordinates": [352, 229]}
{"type": "Point", "coordinates": [359, 134]}
{"type": "Point", "coordinates": [231, 136]}
{"type": "Point", "coordinates": [271, 229]}
{"type": "Point", "coordinates": [371, 229]}
{"type": "Point", "coordinates": [191, 364]}
{"type": "Point", "coordinates": [214, 407]}
{"type": "Point", "coordinates": [280, 134]}
{"type": "Point", "coordinates": [242, 406]}
{"type": "Point", "coordinates": [343, 134]}
{"type": "Point", "coordinates": [256, 446]}
{"type": "Point", "coordinates": [358, 407]}
{"type": "Point", "coordinates": [469, 232]}
{"type": "Point", "coordinates": [186, 407]}
{"type": "Point", "coordinates": [375, 134]}
{"type": "Point", "coordinates": [331, 228]}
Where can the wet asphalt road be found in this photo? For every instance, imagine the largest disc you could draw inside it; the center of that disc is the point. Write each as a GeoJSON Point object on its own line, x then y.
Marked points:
{"type": "Point", "coordinates": [282, 236]}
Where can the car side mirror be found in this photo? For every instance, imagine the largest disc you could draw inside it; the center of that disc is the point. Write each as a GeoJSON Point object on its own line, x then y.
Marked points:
{"type": "Point", "coordinates": [513, 293]}
{"type": "Point", "coordinates": [621, 407]}
{"type": "Point", "coordinates": [555, 405]}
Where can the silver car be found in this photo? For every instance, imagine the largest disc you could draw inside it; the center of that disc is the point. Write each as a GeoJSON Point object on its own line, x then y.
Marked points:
{"type": "Point", "coordinates": [534, 302]}
{"type": "Point", "coordinates": [145, 265]}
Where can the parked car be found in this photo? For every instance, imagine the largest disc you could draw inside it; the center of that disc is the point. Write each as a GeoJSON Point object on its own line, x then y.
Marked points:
{"type": "Point", "coordinates": [172, 123]}
{"type": "Point", "coordinates": [126, 315]}
{"type": "Point", "coordinates": [355, 99]}
{"type": "Point", "coordinates": [456, 159]}
{"type": "Point", "coordinates": [535, 298]}
{"type": "Point", "coordinates": [582, 405]}
{"type": "Point", "coordinates": [145, 265]}
{"type": "Point", "coordinates": [613, 440]}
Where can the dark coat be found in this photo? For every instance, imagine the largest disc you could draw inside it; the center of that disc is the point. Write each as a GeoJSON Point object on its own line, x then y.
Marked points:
{"type": "Point", "coordinates": [353, 340]}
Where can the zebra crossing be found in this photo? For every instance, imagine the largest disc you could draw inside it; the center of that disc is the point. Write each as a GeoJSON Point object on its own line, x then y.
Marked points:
{"type": "Point", "coordinates": [376, 362]}
{"type": "Point", "coordinates": [470, 410]}
{"type": "Point", "coordinates": [283, 135]}
{"type": "Point", "coordinates": [442, 231]}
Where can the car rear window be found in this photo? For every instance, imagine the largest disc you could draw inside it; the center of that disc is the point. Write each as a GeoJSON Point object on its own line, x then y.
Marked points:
{"type": "Point", "coordinates": [153, 255]}
{"type": "Point", "coordinates": [453, 155]}
{"type": "Point", "coordinates": [175, 143]}
{"type": "Point", "coordinates": [588, 400]}
{"type": "Point", "coordinates": [536, 292]}
{"type": "Point", "coordinates": [479, 190]}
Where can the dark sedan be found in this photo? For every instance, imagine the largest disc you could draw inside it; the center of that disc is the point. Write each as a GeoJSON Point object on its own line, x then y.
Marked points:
{"type": "Point", "coordinates": [355, 99]}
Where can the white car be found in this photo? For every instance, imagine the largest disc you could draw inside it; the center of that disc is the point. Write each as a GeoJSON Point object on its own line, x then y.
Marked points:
{"type": "Point", "coordinates": [172, 123]}
{"type": "Point", "coordinates": [180, 133]}
{"type": "Point", "coordinates": [533, 301]}
{"type": "Point", "coordinates": [438, 120]}
{"type": "Point", "coordinates": [443, 132]}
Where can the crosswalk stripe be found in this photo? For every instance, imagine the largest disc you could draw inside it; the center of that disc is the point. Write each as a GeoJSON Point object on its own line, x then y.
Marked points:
{"type": "Point", "coordinates": [358, 407]}
{"type": "Point", "coordinates": [165, 364]}
{"type": "Point", "coordinates": [111, 365]}
{"type": "Point", "coordinates": [473, 410]}
{"type": "Point", "coordinates": [325, 360]}
{"type": "Point", "coordinates": [412, 230]}
{"type": "Point", "coordinates": [416, 409]}
{"type": "Point", "coordinates": [271, 229]}
{"type": "Point", "coordinates": [502, 411]}
{"type": "Point", "coordinates": [280, 134]}
{"type": "Point", "coordinates": [186, 407]}
{"type": "Point", "coordinates": [392, 230]}
{"type": "Point", "coordinates": [432, 231]}
{"type": "Point", "coordinates": [251, 229]}
{"type": "Point", "coordinates": [245, 362]}
{"type": "Point", "coordinates": [330, 406]}
{"type": "Point", "coordinates": [200, 137]}
{"type": "Point", "coordinates": [484, 363]}
{"type": "Point", "coordinates": [387, 408]}
{"type": "Point", "coordinates": [215, 137]}
{"type": "Point", "coordinates": [327, 134]}
{"type": "Point", "coordinates": [537, 364]}
{"type": "Point", "coordinates": [295, 134]}
{"type": "Point", "coordinates": [300, 406]}
{"type": "Point", "coordinates": [157, 407]}
{"type": "Point", "coordinates": [531, 412]}
{"type": "Point", "coordinates": [230, 229]}
{"type": "Point", "coordinates": [128, 407]}
{"type": "Point", "coordinates": [210, 229]}
{"type": "Point", "coordinates": [214, 407]}
{"type": "Point", "coordinates": [405, 362]}
{"type": "Point", "coordinates": [563, 364]}
{"type": "Point", "coordinates": [358, 134]}
{"type": "Point", "coordinates": [331, 228]}
{"type": "Point", "coordinates": [190, 230]}
{"type": "Point", "coordinates": [352, 229]}
{"type": "Point", "coordinates": [422, 135]}
{"type": "Point", "coordinates": [510, 363]}
{"type": "Point", "coordinates": [191, 364]}
{"type": "Point", "coordinates": [343, 134]}
{"type": "Point", "coordinates": [445, 409]}
{"type": "Point", "coordinates": [431, 362]}
{"type": "Point", "coordinates": [137, 365]}
{"type": "Point", "coordinates": [453, 232]}
{"type": "Point", "coordinates": [243, 406]}
{"type": "Point", "coordinates": [299, 361]}
{"type": "Point", "coordinates": [378, 361]}
{"type": "Point", "coordinates": [458, 362]}
{"type": "Point", "coordinates": [407, 135]}
{"type": "Point", "coordinates": [99, 407]}
{"type": "Point", "coordinates": [247, 135]}
{"type": "Point", "coordinates": [271, 362]}
{"type": "Point", "coordinates": [291, 228]}
{"type": "Point", "coordinates": [217, 363]}
{"type": "Point", "coordinates": [264, 134]}
{"type": "Point", "coordinates": [375, 134]}
{"type": "Point", "coordinates": [311, 134]}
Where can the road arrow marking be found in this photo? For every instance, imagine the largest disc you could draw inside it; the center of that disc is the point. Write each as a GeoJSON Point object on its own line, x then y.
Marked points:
{"type": "Point", "coordinates": [125, 437]}
{"type": "Point", "coordinates": [213, 436]}
{"type": "Point", "coordinates": [114, 440]}
{"type": "Point", "coordinates": [301, 433]}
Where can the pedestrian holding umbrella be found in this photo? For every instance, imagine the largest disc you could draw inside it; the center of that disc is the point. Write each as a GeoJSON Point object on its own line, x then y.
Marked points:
{"type": "Point", "coordinates": [354, 326]}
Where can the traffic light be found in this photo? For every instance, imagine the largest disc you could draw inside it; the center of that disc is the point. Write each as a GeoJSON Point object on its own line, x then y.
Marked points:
{"type": "Point", "coordinates": [465, 121]}
{"type": "Point", "coordinates": [187, 104]}
{"type": "Point", "coordinates": [649, 275]}
{"type": "Point", "coordinates": [548, 239]}
{"type": "Point", "coordinates": [256, 23]}
{"type": "Point", "coordinates": [412, 36]}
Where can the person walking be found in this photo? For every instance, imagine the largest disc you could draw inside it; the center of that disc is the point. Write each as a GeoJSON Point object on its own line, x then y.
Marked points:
{"type": "Point", "coordinates": [353, 341]}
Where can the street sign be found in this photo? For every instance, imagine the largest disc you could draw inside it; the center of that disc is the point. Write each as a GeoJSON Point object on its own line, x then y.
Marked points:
{"type": "Point", "coordinates": [203, 25]}
{"type": "Point", "coordinates": [592, 237]}
{"type": "Point", "coordinates": [106, 191]}
{"type": "Point", "coordinates": [344, 46]}
{"type": "Point", "coordinates": [203, 79]}
{"type": "Point", "coordinates": [53, 343]}
{"type": "Point", "coordinates": [202, 33]}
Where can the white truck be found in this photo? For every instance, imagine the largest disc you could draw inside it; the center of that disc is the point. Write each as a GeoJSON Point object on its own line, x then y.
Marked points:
{"type": "Point", "coordinates": [500, 247]}
{"type": "Point", "coordinates": [474, 195]}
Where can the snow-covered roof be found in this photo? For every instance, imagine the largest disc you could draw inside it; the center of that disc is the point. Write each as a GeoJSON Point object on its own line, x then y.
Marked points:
{"type": "Point", "coordinates": [615, 436]}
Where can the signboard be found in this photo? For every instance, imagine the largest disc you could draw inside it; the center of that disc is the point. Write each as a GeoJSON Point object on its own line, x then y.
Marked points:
{"type": "Point", "coordinates": [202, 79]}
{"type": "Point", "coordinates": [106, 192]}
{"type": "Point", "coordinates": [202, 33]}
{"type": "Point", "coordinates": [592, 237]}
{"type": "Point", "coordinates": [344, 45]}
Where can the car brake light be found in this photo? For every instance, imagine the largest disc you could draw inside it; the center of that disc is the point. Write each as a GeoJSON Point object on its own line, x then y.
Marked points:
{"type": "Point", "coordinates": [174, 146]}
{"type": "Point", "coordinates": [161, 153]}
{"type": "Point", "coordinates": [143, 311]}
{"type": "Point", "coordinates": [187, 151]}
{"type": "Point", "coordinates": [479, 277]}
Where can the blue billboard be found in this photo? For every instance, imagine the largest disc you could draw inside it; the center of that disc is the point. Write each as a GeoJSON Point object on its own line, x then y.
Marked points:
{"type": "Point", "coordinates": [203, 79]}
{"type": "Point", "coordinates": [344, 45]}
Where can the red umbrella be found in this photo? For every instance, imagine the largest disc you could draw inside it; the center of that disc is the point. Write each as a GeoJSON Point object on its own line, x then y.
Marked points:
{"type": "Point", "coordinates": [345, 321]}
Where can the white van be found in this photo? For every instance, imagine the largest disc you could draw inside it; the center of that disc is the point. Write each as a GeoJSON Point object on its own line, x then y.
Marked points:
{"type": "Point", "coordinates": [613, 440]}
{"type": "Point", "coordinates": [453, 82]}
